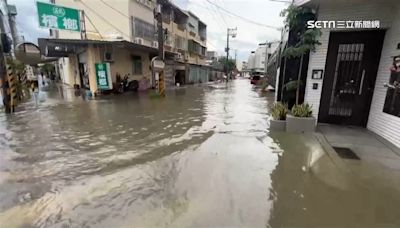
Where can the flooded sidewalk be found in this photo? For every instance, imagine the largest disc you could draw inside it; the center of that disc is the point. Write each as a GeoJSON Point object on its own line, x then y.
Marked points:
{"type": "Point", "coordinates": [201, 157]}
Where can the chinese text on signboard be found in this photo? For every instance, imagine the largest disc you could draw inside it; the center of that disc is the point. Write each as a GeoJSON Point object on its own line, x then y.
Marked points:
{"type": "Point", "coordinates": [58, 17]}
{"type": "Point", "coordinates": [102, 76]}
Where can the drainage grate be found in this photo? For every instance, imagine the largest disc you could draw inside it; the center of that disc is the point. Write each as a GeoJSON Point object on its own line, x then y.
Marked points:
{"type": "Point", "coordinates": [346, 153]}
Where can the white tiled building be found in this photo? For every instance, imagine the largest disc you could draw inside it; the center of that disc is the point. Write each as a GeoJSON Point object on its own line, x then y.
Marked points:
{"type": "Point", "coordinates": [356, 96]}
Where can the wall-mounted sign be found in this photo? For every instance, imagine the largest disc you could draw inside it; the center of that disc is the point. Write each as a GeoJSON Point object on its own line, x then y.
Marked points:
{"type": "Point", "coordinates": [103, 76]}
{"type": "Point", "coordinates": [58, 17]}
{"type": "Point", "coordinates": [158, 65]}
{"type": "Point", "coordinates": [317, 74]}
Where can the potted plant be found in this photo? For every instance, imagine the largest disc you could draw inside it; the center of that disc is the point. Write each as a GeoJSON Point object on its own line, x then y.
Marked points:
{"type": "Point", "coordinates": [300, 119]}
{"type": "Point", "coordinates": [278, 112]}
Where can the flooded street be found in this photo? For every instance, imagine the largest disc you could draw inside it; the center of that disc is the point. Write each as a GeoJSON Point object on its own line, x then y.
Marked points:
{"type": "Point", "coordinates": [202, 157]}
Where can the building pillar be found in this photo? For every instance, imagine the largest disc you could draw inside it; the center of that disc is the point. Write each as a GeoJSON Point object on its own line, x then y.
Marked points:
{"type": "Point", "coordinates": [94, 57]}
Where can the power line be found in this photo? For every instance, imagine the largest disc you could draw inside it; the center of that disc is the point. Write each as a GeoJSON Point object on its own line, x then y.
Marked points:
{"type": "Point", "coordinates": [221, 16]}
{"type": "Point", "coordinates": [105, 20]}
{"type": "Point", "coordinates": [211, 44]}
{"type": "Point", "coordinates": [223, 4]}
{"type": "Point", "coordinates": [243, 18]}
{"type": "Point", "coordinates": [94, 26]}
{"type": "Point", "coordinates": [105, 3]}
{"type": "Point", "coordinates": [212, 10]}
{"type": "Point", "coordinates": [122, 15]}
{"type": "Point", "coordinates": [212, 14]}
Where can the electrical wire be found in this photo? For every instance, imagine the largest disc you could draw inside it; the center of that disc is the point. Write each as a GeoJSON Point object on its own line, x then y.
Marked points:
{"type": "Point", "coordinates": [94, 26]}
{"type": "Point", "coordinates": [105, 20]}
{"type": "Point", "coordinates": [122, 15]}
{"type": "Point", "coordinates": [243, 18]}
{"type": "Point", "coordinates": [223, 18]}
{"type": "Point", "coordinates": [213, 10]}
{"type": "Point", "coordinates": [212, 44]}
{"type": "Point", "coordinates": [223, 3]}
{"type": "Point", "coordinates": [213, 15]}
{"type": "Point", "coordinates": [105, 3]}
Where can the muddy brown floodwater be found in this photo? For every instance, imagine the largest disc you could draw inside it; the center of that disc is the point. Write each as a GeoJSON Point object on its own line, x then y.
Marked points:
{"type": "Point", "coordinates": [202, 157]}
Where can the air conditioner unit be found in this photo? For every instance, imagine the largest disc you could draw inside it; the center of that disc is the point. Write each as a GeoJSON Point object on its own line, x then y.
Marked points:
{"type": "Point", "coordinates": [108, 57]}
{"type": "Point", "coordinates": [138, 40]}
{"type": "Point", "coordinates": [154, 44]}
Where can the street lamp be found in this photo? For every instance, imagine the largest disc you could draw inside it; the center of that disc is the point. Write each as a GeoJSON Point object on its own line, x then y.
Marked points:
{"type": "Point", "coordinates": [230, 32]}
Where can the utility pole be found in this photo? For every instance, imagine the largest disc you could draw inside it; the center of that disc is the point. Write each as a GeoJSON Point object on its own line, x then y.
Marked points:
{"type": "Point", "coordinates": [230, 32]}
{"type": "Point", "coordinates": [160, 35]}
{"type": "Point", "coordinates": [5, 47]}
{"type": "Point", "coordinates": [4, 82]}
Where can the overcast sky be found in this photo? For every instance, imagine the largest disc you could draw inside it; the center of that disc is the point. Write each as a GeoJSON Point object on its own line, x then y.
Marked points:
{"type": "Point", "coordinates": [27, 20]}
{"type": "Point", "coordinates": [264, 12]}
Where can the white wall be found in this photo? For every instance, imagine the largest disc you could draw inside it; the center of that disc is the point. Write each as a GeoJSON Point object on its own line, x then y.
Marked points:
{"type": "Point", "coordinates": [317, 61]}
{"type": "Point", "coordinates": [143, 12]}
{"type": "Point", "coordinates": [384, 10]}
{"type": "Point", "coordinates": [388, 126]}
{"type": "Point", "coordinates": [106, 20]}
{"type": "Point", "coordinates": [69, 70]}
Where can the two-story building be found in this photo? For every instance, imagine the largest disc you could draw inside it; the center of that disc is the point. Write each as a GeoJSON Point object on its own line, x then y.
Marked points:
{"type": "Point", "coordinates": [122, 34]}
{"type": "Point", "coordinates": [353, 77]}
{"type": "Point", "coordinates": [119, 34]}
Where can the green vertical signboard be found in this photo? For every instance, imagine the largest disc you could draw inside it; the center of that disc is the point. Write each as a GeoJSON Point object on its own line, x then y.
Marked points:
{"type": "Point", "coordinates": [58, 17]}
{"type": "Point", "coordinates": [102, 76]}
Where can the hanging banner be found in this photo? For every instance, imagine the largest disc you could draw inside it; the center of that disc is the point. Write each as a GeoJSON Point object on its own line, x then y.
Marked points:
{"type": "Point", "coordinates": [58, 17]}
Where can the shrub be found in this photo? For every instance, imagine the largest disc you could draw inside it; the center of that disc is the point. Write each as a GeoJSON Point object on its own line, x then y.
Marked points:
{"type": "Point", "coordinates": [304, 110]}
{"type": "Point", "coordinates": [279, 111]}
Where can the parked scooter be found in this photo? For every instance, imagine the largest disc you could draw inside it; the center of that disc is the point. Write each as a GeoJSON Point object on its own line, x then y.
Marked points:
{"type": "Point", "coordinates": [126, 85]}
{"type": "Point", "coordinates": [123, 85]}
{"type": "Point", "coordinates": [133, 85]}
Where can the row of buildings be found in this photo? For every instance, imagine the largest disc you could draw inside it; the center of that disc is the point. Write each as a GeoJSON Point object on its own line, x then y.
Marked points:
{"type": "Point", "coordinates": [122, 34]}
{"type": "Point", "coordinates": [353, 76]}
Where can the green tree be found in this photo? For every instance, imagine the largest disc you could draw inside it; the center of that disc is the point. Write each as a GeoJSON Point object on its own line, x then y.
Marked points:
{"type": "Point", "coordinates": [228, 66]}
{"type": "Point", "coordinates": [296, 20]}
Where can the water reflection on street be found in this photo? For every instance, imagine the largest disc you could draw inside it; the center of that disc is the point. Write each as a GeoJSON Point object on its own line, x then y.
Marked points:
{"type": "Point", "coordinates": [202, 157]}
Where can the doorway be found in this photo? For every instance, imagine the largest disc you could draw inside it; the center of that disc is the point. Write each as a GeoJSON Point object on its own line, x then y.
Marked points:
{"type": "Point", "coordinates": [180, 77]}
{"type": "Point", "coordinates": [350, 74]}
{"type": "Point", "coordinates": [83, 75]}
